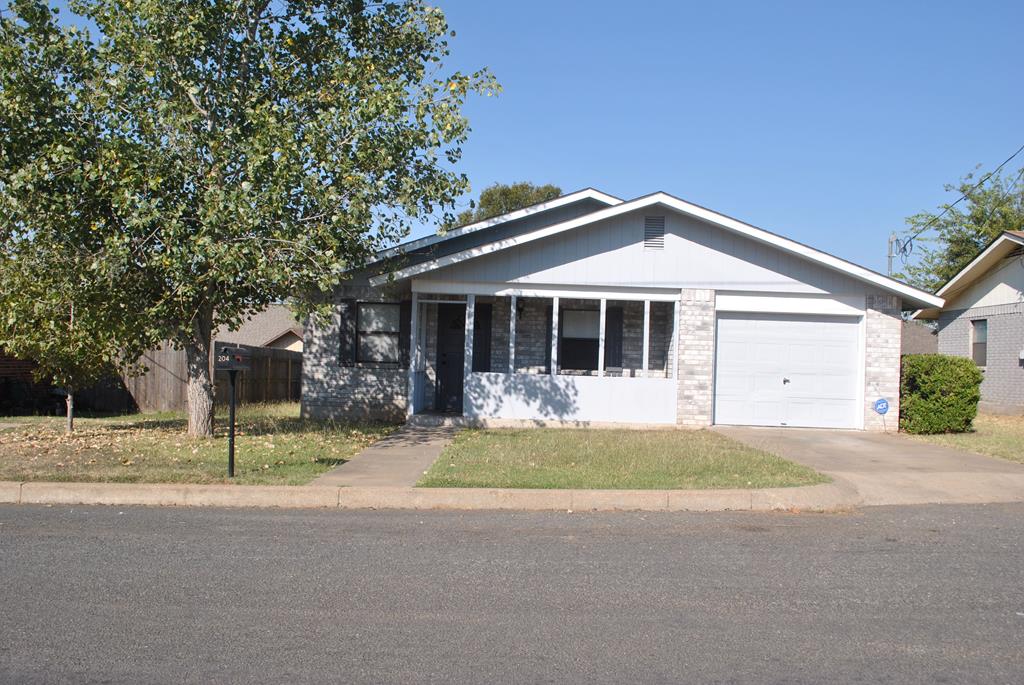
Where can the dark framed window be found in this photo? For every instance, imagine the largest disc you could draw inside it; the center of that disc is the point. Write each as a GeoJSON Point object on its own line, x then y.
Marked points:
{"type": "Point", "coordinates": [379, 332]}
{"type": "Point", "coordinates": [979, 341]}
{"type": "Point", "coordinates": [580, 331]}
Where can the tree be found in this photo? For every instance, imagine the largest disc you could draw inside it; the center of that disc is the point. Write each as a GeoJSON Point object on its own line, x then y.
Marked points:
{"type": "Point", "coordinates": [502, 198]}
{"type": "Point", "coordinates": [955, 235]}
{"type": "Point", "coordinates": [243, 151]}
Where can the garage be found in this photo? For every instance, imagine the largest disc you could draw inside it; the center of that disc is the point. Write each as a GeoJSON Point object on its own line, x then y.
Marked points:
{"type": "Point", "coordinates": [787, 370]}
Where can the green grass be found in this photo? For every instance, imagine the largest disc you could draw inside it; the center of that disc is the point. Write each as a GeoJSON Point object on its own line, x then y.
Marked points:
{"type": "Point", "coordinates": [994, 436]}
{"type": "Point", "coordinates": [609, 459]}
{"type": "Point", "coordinates": [273, 446]}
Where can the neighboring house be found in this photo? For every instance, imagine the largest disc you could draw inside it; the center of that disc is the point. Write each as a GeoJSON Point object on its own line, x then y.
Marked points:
{"type": "Point", "coordinates": [983, 318]}
{"type": "Point", "coordinates": [592, 310]}
{"type": "Point", "coordinates": [919, 338]}
{"type": "Point", "coordinates": [276, 326]}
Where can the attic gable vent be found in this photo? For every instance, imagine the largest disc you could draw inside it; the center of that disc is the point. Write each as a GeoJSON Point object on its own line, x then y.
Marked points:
{"type": "Point", "coordinates": [654, 232]}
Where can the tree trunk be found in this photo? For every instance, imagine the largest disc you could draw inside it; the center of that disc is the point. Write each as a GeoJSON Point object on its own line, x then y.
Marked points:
{"type": "Point", "coordinates": [69, 425]}
{"type": "Point", "coordinates": [200, 384]}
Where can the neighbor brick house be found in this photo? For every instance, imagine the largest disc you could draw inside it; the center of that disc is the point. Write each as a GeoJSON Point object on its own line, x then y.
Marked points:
{"type": "Point", "coordinates": [591, 310]}
{"type": "Point", "coordinates": [983, 319]}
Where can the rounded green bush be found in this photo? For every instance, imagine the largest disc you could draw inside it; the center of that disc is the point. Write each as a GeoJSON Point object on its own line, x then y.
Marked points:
{"type": "Point", "coordinates": [939, 393]}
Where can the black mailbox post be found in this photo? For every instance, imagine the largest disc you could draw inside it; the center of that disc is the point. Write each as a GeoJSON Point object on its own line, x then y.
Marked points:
{"type": "Point", "coordinates": [232, 360]}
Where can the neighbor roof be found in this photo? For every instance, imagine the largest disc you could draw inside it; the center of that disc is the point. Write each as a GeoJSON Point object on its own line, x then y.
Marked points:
{"type": "Point", "coordinates": [997, 250]}
{"type": "Point", "coordinates": [913, 295]}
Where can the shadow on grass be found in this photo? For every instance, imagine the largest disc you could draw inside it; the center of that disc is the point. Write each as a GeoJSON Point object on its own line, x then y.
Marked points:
{"type": "Point", "coordinates": [256, 426]}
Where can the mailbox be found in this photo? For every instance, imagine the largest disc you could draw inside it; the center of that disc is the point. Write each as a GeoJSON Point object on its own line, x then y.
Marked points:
{"type": "Point", "coordinates": [232, 359]}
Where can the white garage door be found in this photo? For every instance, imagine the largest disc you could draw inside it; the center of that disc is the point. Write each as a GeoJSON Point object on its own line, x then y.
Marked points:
{"type": "Point", "coordinates": [787, 370]}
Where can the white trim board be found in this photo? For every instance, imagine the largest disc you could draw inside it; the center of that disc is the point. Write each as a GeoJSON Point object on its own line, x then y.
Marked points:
{"type": "Point", "coordinates": [585, 194]}
{"type": "Point", "coordinates": [664, 199]}
{"type": "Point", "coordinates": [784, 304]}
{"type": "Point", "coordinates": [566, 291]}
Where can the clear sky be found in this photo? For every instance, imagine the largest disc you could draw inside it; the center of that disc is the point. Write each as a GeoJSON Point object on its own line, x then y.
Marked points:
{"type": "Point", "coordinates": [827, 122]}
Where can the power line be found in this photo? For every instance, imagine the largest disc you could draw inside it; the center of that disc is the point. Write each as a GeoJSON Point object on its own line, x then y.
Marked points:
{"type": "Point", "coordinates": [905, 247]}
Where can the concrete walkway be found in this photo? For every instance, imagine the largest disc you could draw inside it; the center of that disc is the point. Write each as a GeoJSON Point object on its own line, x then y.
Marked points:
{"type": "Point", "coordinates": [395, 461]}
{"type": "Point", "coordinates": [892, 469]}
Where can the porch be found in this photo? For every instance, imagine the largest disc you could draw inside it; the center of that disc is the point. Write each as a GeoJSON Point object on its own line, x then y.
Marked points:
{"type": "Point", "coordinates": [544, 356]}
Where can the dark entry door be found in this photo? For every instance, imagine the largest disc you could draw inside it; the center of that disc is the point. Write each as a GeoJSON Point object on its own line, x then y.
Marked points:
{"type": "Point", "coordinates": [451, 355]}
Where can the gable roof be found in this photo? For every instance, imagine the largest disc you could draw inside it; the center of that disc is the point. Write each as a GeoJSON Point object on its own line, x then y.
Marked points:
{"type": "Point", "coordinates": [997, 250]}
{"type": "Point", "coordinates": [914, 295]}
{"type": "Point", "coordinates": [561, 201]}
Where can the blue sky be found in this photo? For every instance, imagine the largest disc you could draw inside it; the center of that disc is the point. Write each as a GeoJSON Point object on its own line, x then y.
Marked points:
{"type": "Point", "coordinates": [826, 122]}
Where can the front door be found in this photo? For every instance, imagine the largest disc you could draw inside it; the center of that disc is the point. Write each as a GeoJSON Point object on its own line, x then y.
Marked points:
{"type": "Point", "coordinates": [451, 355]}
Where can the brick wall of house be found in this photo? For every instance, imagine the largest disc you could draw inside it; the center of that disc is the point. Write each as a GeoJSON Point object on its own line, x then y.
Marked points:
{"type": "Point", "coordinates": [1002, 391]}
{"type": "Point", "coordinates": [365, 392]}
{"type": "Point", "coordinates": [883, 338]}
{"type": "Point", "coordinates": [696, 358]}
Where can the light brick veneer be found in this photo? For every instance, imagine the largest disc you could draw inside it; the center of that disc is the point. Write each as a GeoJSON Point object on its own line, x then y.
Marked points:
{"type": "Point", "coordinates": [883, 336]}
{"type": "Point", "coordinates": [696, 358]}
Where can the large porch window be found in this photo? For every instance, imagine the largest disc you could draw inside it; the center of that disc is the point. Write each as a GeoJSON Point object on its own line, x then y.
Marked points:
{"type": "Point", "coordinates": [475, 341]}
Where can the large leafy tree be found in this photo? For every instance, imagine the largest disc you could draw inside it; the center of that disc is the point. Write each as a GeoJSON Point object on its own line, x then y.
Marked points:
{"type": "Point", "coordinates": [955, 234]}
{"type": "Point", "coordinates": [239, 152]}
{"type": "Point", "coordinates": [502, 198]}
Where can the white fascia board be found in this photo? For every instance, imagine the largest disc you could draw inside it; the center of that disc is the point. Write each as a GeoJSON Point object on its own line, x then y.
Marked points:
{"type": "Point", "coordinates": [774, 303]}
{"type": "Point", "coordinates": [585, 194]}
{"type": "Point", "coordinates": [702, 213]}
{"type": "Point", "coordinates": [582, 292]}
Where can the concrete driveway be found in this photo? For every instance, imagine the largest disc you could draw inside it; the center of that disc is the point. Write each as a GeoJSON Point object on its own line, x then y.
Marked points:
{"type": "Point", "coordinates": [891, 469]}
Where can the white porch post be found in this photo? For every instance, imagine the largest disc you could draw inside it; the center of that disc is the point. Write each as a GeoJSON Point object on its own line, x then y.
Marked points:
{"type": "Point", "coordinates": [414, 354]}
{"type": "Point", "coordinates": [512, 336]}
{"type": "Point", "coordinates": [554, 336]}
{"type": "Point", "coordinates": [647, 336]}
{"type": "Point", "coordinates": [467, 364]}
{"type": "Point", "coordinates": [600, 337]}
{"type": "Point", "coordinates": [675, 341]}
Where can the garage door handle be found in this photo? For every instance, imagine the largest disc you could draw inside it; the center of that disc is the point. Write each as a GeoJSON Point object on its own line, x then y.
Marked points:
{"type": "Point", "coordinates": [785, 381]}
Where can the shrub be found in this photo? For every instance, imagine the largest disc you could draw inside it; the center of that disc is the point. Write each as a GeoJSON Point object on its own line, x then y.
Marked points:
{"type": "Point", "coordinates": [939, 393]}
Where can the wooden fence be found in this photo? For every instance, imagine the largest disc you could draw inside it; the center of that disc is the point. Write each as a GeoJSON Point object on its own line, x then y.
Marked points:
{"type": "Point", "coordinates": [276, 376]}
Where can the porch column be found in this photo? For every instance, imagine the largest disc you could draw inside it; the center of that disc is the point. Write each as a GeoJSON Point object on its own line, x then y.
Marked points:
{"type": "Point", "coordinates": [414, 353]}
{"type": "Point", "coordinates": [467, 364]}
{"type": "Point", "coordinates": [554, 336]}
{"type": "Point", "coordinates": [600, 338]}
{"type": "Point", "coordinates": [675, 341]}
{"type": "Point", "coordinates": [512, 336]}
{"type": "Point", "coordinates": [647, 337]}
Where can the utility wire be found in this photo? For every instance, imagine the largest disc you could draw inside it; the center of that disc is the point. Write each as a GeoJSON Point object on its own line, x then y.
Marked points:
{"type": "Point", "coordinates": [906, 247]}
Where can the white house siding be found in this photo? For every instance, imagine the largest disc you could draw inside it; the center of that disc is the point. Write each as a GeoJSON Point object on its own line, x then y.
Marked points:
{"type": "Point", "coordinates": [611, 253]}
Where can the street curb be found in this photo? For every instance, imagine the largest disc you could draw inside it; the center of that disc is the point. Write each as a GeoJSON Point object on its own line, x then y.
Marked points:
{"type": "Point", "coordinates": [836, 496]}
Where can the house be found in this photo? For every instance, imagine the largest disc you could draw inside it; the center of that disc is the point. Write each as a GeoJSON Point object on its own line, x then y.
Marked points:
{"type": "Point", "coordinates": [983, 319]}
{"type": "Point", "coordinates": [275, 326]}
{"type": "Point", "coordinates": [591, 310]}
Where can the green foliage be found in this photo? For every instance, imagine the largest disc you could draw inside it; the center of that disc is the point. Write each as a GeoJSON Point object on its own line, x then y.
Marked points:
{"type": "Point", "coordinates": [502, 198]}
{"type": "Point", "coordinates": [202, 159]}
{"type": "Point", "coordinates": [965, 230]}
{"type": "Point", "coordinates": [938, 393]}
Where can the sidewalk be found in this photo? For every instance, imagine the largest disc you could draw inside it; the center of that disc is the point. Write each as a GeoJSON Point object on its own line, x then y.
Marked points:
{"type": "Point", "coordinates": [395, 461]}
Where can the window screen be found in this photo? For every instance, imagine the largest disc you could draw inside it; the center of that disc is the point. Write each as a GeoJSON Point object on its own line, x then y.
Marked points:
{"type": "Point", "coordinates": [378, 332]}
{"type": "Point", "coordinates": [979, 341]}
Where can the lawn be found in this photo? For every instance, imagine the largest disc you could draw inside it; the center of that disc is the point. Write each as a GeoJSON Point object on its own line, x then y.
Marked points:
{"type": "Point", "coordinates": [609, 459]}
{"type": "Point", "coordinates": [273, 446]}
{"type": "Point", "coordinates": [995, 436]}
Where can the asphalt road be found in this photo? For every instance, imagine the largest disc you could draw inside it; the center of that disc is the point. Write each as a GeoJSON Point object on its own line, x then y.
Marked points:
{"type": "Point", "coordinates": [900, 595]}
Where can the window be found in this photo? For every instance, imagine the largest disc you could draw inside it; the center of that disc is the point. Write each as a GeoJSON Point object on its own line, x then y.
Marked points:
{"type": "Point", "coordinates": [979, 341]}
{"type": "Point", "coordinates": [579, 339]}
{"type": "Point", "coordinates": [378, 337]}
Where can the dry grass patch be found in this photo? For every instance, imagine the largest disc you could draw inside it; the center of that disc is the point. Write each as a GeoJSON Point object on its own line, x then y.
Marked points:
{"type": "Point", "coordinates": [273, 446]}
{"type": "Point", "coordinates": [609, 459]}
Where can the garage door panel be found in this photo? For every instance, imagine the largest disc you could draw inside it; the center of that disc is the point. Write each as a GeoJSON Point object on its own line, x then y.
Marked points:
{"type": "Point", "coordinates": [819, 356]}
